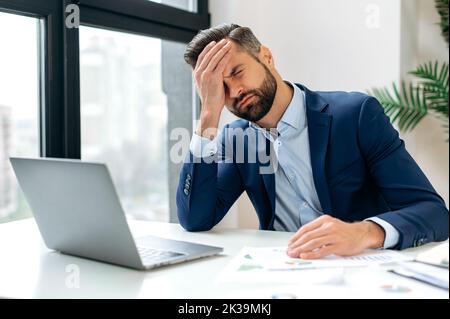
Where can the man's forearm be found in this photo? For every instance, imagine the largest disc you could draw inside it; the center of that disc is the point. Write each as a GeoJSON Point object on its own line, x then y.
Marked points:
{"type": "Point", "coordinates": [208, 124]}
{"type": "Point", "coordinates": [196, 196]}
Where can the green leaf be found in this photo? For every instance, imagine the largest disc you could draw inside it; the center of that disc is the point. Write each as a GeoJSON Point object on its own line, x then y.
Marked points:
{"type": "Point", "coordinates": [442, 8]}
{"type": "Point", "coordinates": [406, 106]}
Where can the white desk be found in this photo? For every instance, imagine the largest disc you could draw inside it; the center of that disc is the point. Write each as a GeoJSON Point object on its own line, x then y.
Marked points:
{"type": "Point", "coordinates": [29, 270]}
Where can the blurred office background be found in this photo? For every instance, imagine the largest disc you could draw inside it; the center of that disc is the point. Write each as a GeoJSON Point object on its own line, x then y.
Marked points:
{"type": "Point", "coordinates": [134, 86]}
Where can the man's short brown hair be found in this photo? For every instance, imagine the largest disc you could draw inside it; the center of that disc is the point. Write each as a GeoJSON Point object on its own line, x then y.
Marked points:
{"type": "Point", "coordinates": [242, 36]}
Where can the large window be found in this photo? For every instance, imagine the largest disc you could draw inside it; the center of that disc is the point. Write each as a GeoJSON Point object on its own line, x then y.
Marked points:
{"type": "Point", "coordinates": [110, 90]}
{"type": "Point", "coordinates": [124, 116]}
{"type": "Point", "coordinates": [19, 106]}
{"type": "Point", "coordinates": [131, 85]}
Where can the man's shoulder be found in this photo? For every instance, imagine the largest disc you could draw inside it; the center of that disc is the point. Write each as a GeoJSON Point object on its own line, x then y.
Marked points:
{"type": "Point", "coordinates": [347, 108]}
{"type": "Point", "coordinates": [344, 103]}
{"type": "Point", "coordinates": [342, 100]}
{"type": "Point", "coordinates": [343, 97]}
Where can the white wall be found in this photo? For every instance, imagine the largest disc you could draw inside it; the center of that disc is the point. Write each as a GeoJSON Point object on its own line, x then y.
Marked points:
{"type": "Point", "coordinates": [325, 44]}
{"type": "Point", "coordinates": [351, 45]}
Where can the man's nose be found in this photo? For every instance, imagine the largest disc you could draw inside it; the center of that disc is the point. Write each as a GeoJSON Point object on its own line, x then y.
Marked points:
{"type": "Point", "coordinates": [235, 91]}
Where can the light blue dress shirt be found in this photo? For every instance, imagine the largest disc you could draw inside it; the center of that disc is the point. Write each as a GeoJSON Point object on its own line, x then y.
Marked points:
{"type": "Point", "coordinates": [296, 199]}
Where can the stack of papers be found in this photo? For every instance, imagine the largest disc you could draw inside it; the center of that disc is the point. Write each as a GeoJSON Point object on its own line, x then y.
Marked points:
{"type": "Point", "coordinates": [430, 266]}
{"type": "Point", "coordinates": [437, 256]}
{"type": "Point", "coordinates": [436, 276]}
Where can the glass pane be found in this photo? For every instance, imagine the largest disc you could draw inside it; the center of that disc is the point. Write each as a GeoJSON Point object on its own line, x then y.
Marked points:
{"type": "Point", "coordinates": [19, 107]}
{"type": "Point", "coordinates": [124, 115]}
{"type": "Point", "coordinates": [188, 5]}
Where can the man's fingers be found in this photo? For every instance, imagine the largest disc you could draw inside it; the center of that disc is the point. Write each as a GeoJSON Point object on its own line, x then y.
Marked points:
{"type": "Point", "coordinates": [218, 57]}
{"type": "Point", "coordinates": [320, 253]}
{"type": "Point", "coordinates": [310, 246]}
{"type": "Point", "coordinates": [315, 233]}
{"type": "Point", "coordinates": [203, 53]}
{"type": "Point", "coordinates": [208, 56]}
{"type": "Point", "coordinates": [223, 63]}
{"type": "Point", "coordinates": [304, 229]}
{"type": "Point", "coordinates": [308, 227]}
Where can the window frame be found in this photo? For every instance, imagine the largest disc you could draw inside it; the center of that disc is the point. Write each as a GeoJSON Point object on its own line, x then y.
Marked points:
{"type": "Point", "coordinates": [157, 13]}
{"type": "Point", "coordinates": [60, 127]}
{"type": "Point", "coordinates": [58, 103]}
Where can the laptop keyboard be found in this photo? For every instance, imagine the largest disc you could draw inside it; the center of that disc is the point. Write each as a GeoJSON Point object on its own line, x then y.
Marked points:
{"type": "Point", "coordinates": [152, 255]}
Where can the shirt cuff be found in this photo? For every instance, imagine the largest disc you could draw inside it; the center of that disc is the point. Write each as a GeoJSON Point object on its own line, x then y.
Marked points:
{"type": "Point", "coordinates": [202, 147]}
{"type": "Point", "coordinates": [391, 234]}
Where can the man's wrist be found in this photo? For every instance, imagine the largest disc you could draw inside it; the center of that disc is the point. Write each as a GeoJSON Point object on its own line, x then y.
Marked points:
{"type": "Point", "coordinates": [207, 127]}
{"type": "Point", "coordinates": [375, 235]}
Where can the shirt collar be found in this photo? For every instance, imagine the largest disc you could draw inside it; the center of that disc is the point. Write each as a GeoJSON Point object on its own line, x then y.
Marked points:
{"type": "Point", "coordinates": [295, 115]}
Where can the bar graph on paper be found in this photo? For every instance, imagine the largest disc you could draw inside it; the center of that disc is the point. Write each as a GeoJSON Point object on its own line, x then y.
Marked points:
{"type": "Point", "coordinates": [275, 258]}
{"type": "Point", "coordinates": [375, 257]}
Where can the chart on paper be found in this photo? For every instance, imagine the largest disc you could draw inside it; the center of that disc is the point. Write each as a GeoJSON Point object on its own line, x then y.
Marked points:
{"type": "Point", "coordinates": [276, 258]}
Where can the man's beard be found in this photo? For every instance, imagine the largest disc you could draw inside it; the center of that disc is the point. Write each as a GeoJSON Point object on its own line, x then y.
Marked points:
{"type": "Point", "coordinates": [263, 96]}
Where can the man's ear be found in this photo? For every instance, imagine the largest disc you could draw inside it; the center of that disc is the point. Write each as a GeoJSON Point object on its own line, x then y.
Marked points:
{"type": "Point", "coordinates": [266, 56]}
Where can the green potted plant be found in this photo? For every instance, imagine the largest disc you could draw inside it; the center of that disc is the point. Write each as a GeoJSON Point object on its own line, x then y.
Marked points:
{"type": "Point", "coordinates": [411, 102]}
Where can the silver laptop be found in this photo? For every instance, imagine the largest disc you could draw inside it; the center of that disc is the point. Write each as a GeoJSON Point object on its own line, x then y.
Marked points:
{"type": "Point", "coordinates": [78, 212]}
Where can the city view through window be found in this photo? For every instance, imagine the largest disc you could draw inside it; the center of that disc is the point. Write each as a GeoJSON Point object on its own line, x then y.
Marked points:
{"type": "Point", "coordinates": [19, 107]}
{"type": "Point", "coordinates": [130, 85]}
{"type": "Point", "coordinates": [124, 117]}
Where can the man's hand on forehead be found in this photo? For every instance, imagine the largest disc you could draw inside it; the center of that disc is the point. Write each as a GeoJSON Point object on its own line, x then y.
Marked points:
{"type": "Point", "coordinates": [208, 75]}
{"type": "Point", "coordinates": [212, 55]}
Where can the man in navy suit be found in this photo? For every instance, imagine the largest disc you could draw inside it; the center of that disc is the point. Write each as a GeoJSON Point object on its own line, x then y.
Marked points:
{"type": "Point", "coordinates": [328, 166]}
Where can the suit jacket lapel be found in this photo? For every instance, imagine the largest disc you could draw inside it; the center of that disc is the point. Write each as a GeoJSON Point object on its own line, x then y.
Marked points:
{"type": "Point", "coordinates": [319, 124]}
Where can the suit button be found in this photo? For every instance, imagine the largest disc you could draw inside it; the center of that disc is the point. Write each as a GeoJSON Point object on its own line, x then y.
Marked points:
{"type": "Point", "coordinates": [186, 192]}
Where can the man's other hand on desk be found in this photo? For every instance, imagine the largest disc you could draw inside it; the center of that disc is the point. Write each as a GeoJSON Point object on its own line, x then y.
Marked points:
{"type": "Point", "coordinates": [327, 235]}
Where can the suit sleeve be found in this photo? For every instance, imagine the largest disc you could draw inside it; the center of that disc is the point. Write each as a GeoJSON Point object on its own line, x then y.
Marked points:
{"type": "Point", "coordinates": [208, 187]}
{"type": "Point", "coordinates": [418, 213]}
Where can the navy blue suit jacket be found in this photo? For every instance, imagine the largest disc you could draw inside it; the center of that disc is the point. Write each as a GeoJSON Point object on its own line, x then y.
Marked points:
{"type": "Point", "coordinates": [360, 168]}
